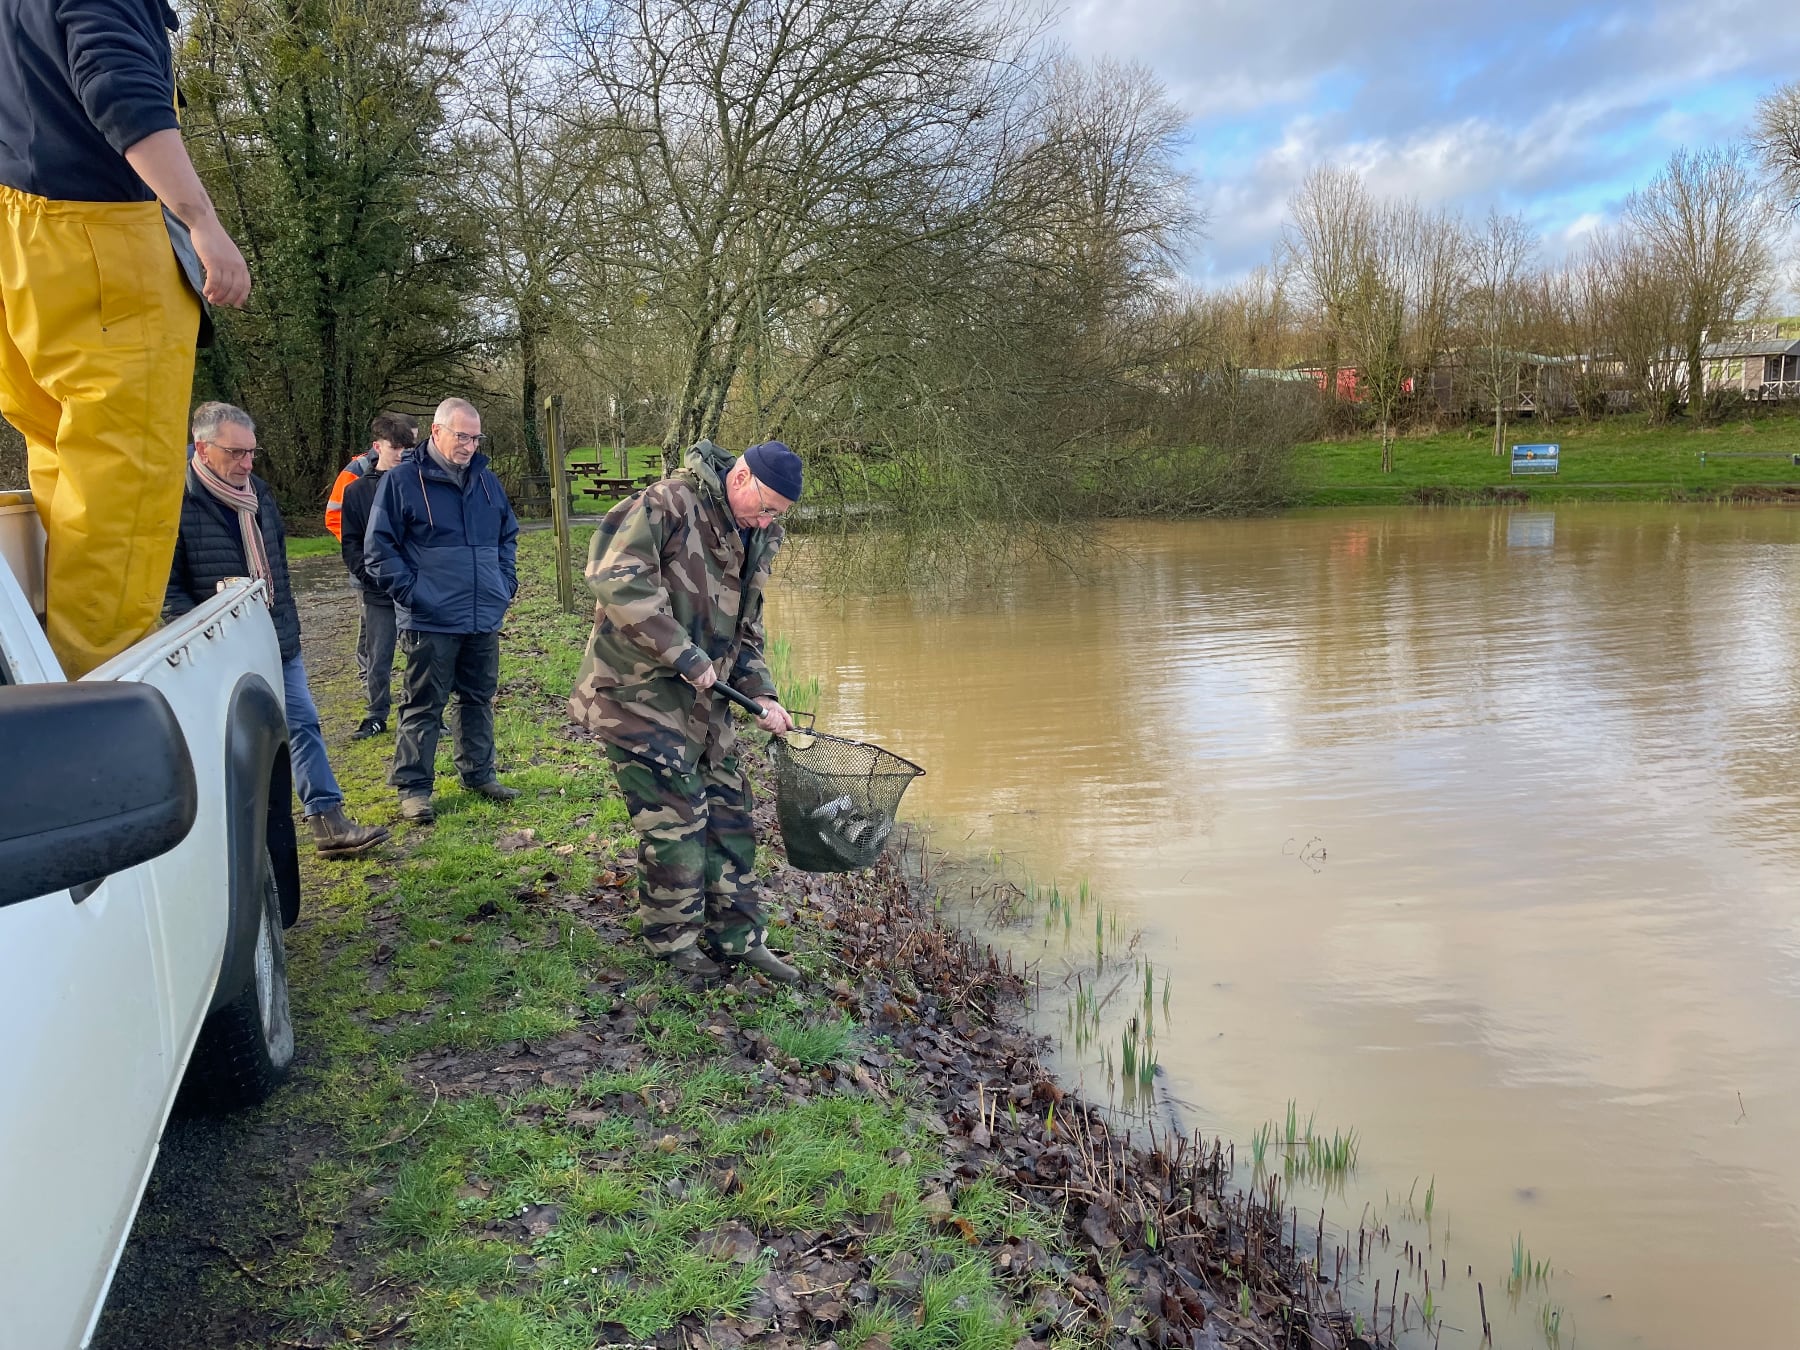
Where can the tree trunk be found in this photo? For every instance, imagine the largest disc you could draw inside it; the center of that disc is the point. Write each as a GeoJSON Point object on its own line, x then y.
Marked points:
{"type": "Point", "coordinates": [1499, 428]}
{"type": "Point", "coordinates": [1387, 445]}
{"type": "Point", "coordinates": [528, 395]}
{"type": "Point", "coordinates": [1696, 389]}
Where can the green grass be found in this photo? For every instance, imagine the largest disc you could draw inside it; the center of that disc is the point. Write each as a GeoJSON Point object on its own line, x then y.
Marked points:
{"type": "Point", "coordinates": [814, 1044]}
{"type": "Point", "coordinates": [1526, 1269]}
{"type": "Point", "coordinates": [553, 1209]}
{"type": "Point", "coordinates": [799, 694]}
{"type": "Point", "coordinates": [311, 545]}
{"type": "Point", "coordinates": [1621, 458]}
{"type": "Point", "coordinates": [640, 459]}
{"type": "Point", "coordinates": [1306, 1152]}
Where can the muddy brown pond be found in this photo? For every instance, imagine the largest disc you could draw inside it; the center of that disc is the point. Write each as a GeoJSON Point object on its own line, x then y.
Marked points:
{"type": "Point", "coordinates": [1474, 832]}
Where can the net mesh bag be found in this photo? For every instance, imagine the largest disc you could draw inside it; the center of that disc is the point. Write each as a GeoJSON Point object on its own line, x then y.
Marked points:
{"type": "Point", "coordinates": [836, 799]}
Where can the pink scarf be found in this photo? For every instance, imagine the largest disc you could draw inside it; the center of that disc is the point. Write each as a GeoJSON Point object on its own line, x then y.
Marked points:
{"type": "Point", "coordinates": [244, 501]}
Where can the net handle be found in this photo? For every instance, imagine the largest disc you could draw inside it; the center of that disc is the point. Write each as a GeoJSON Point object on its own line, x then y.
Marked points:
{"type": "Point", "coordinates": [754, 708]}
{"type": "Point", "coordinates": [740, 698]}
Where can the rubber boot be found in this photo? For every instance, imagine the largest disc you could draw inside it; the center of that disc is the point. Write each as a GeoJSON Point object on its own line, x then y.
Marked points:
{"type": "Point", "coordinates": [761, 958]}
{"type": "Point", "coordinates": [693, 961]}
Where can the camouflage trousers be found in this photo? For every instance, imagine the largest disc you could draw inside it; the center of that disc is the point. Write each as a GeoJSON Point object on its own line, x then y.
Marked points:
{"type": "Point", "coordinates": [696, 854]}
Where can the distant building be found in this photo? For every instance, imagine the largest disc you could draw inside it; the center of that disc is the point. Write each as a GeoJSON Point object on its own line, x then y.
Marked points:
{"type": "Point", "coordinates": [1532, 382]}
{"type": "Point", "coordinates": [1765, 369]}
{"type": "Point", "coordinates": [1349, 381]}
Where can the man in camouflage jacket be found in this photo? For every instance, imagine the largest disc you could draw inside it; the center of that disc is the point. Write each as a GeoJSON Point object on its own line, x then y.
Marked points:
{"type": "Point", "coordinates": [678, 571]}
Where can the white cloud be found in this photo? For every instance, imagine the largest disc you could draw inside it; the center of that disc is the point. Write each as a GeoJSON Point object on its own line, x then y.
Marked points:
{"type": "Point", "coordinates": [1578, 229]}
{"type": "Point", "coordinates": [1537, 106]}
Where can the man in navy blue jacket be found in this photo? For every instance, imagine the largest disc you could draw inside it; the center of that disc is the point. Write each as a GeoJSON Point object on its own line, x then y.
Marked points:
{"type": "Point", "coordinates": [443, 543]}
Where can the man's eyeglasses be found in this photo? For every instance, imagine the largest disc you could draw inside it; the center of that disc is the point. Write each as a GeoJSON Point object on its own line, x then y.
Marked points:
{"type": "Point", "coordinates": [230, 452]}
{"type": "Point", "coordinates": [479, 440]}
{"type": "Point", "coordinates": [768, 512]}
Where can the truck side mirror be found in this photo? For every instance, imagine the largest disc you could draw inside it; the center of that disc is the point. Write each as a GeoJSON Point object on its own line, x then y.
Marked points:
{"type": "Point", "coordinates": [94, 778]}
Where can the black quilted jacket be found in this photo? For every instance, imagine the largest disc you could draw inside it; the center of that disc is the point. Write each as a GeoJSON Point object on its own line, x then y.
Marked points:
{"type": "Point", "coordinates": [211, 548]}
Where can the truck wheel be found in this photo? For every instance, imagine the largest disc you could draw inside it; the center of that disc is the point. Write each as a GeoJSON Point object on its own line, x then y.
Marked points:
{"type": "Point", "coordinates": [247, 1046]}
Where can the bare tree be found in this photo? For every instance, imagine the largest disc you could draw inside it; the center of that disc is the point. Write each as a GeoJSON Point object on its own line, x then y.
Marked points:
{"type": "Point", "coordinates": [530, 180]}
{"type": "Point", "coordinates": [1437, 258]}
{"type": "Point", "coordinates": [1643, 306]}
{"type": "Point", "coordinates": [780, 147]}
{"type": "Point", "coordinates": [1325, 251]}
{"type": "Point", "coordinates": [1123, 207]}
{"type": "Point", "coordinates": [1379, 319]}
{"type": "Point", "coordinates": [1243, 326]}
{"type": "Point", "coordinates": [1708, 225]}
{"type": "Point", "coordinates": [1496, 312]}
{"type": "Point", "coordinates": [1570, 311]}
{"type": "Point", "coordinates": [1777, 141]}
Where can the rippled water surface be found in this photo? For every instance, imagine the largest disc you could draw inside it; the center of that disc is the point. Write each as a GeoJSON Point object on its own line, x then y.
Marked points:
{"type": "Point", "coordinates": [1478, 832]}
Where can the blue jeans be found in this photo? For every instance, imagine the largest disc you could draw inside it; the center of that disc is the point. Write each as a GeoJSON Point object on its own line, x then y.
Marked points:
{"type": "Point", "coordinates": [313, 780]}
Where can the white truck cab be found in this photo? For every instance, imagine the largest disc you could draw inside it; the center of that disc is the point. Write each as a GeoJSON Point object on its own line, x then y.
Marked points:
{"type": "Point", "coordinates": [147, 869]}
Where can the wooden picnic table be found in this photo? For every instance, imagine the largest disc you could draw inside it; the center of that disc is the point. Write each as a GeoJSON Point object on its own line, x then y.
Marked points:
{"type": "Point", "coordinates": [603, 484]}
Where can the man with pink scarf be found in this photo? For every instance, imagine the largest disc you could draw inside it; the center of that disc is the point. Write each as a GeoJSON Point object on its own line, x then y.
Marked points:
{"type": "Point", "coordinates": [231, 527]}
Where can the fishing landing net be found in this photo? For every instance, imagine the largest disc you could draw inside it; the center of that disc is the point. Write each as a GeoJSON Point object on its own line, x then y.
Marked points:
{"type": "Point", "coordinates": [836, 799]}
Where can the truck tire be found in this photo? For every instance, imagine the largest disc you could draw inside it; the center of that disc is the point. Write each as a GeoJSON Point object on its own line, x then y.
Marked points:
{"type": "Point", "coordinates": [247, 1046]}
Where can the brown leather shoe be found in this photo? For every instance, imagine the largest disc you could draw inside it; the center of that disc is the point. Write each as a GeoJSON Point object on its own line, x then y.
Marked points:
{"type": "Point", "coordinates": [762, 959]}
{"type": "Point", "coordinates": [335, 835]}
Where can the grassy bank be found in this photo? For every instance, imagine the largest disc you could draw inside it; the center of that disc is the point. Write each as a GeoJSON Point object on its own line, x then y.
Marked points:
{"type": "Point", "coordinates": [312, 546]}
{"type": "Point", "coordinates": [511, 1130]}
{"type": "Point", "coordinates": [1620, 459]}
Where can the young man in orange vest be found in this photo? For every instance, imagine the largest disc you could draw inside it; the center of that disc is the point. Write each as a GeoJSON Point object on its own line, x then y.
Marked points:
{"type": "Point", "coordinates": [393, 435]}
{"type": "Point", "coordinates": [334, 504]}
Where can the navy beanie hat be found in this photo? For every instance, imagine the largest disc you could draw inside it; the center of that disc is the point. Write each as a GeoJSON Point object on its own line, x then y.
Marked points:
{"type": "Point", "coordinates": [776, 467]}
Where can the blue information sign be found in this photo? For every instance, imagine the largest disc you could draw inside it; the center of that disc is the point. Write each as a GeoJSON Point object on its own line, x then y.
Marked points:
{"type": "Point", "coordinates": [1535, 458]}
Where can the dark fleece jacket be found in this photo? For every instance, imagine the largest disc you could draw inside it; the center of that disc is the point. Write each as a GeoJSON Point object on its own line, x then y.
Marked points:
{"type": "Point", "coordinates": [210, 548]}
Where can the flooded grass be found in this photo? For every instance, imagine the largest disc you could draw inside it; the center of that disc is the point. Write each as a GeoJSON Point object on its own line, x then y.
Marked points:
{"type": "Point", "coordinates": [1526, 1270]}
{"type": "Point", "coordinates": [1103, 1007]}
{"type": "Point", "coordinates": [798, 693]}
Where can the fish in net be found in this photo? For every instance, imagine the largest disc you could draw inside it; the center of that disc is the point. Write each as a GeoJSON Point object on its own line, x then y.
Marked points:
{"type": "Point", "coordinates": [836, 799]}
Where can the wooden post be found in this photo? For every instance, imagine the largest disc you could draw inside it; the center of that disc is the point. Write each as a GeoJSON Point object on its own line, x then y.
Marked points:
{"type": "Point", "coordinates": [619, 440]}
{"type": "Point", "coordinates": [559, 501]}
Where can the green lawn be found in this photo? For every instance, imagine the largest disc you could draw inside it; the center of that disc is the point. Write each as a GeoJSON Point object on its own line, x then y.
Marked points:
{"type": "Point", "coordinates": [311, 545]}
{"type": "Point", "coordinates": [641, 459]}
{"type": "Point", "coordinates": [1621, 458]}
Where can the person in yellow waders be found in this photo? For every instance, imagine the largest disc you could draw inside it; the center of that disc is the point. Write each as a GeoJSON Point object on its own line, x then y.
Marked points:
{"type": "Point", "coordinates": [98, 321]}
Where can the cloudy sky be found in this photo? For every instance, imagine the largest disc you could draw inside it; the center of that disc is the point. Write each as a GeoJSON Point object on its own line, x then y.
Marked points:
{"type": "Point", "coordinates": [1556, 108]}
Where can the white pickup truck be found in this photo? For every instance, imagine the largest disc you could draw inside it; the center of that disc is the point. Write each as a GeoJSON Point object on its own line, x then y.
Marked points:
{"type": "Point", "coordinates": [147, 870]}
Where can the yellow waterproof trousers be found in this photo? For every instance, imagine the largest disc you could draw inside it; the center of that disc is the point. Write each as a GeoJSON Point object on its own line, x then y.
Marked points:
{"type": "Point", "coordinates": [97, 331]}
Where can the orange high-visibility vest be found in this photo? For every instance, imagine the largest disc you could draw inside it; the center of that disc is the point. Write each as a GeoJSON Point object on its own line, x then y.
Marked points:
{"type": "Point", "coordinates": [334, 504]}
